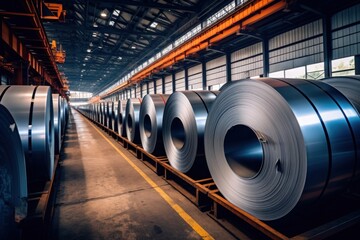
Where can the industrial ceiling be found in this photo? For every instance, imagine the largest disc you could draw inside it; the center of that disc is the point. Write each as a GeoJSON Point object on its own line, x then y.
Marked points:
{"type": "Point", "coordinates": [104, 40]}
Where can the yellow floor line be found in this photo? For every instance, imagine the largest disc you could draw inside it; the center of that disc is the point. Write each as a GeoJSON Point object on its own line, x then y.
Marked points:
{"type": "Point", "coordinates": [179, 210]}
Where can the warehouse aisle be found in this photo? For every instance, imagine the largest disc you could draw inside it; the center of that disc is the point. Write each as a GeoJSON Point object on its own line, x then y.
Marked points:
{"type": "Point", "coordinates": [101, 196]}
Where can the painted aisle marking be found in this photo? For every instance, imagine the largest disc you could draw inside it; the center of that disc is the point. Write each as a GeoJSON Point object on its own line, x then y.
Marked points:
{"type": "Point", "coordinates": [179, 210]}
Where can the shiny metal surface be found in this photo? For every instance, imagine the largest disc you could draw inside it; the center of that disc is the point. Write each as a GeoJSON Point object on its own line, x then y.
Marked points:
{"type": "Point", "coordinates": [115, 118]}
{"type": "Point", "coordinates": [13, 177]}
{"type": "Point", "coordinates": [109, 114]}
{"type": "Point", "coordinates": [342, 150]}
{"type": "Point", "coordinates": [305, 145]}
{"type": "Point", "coordinates": [347, 97]}
{"type": "Point", "coordinates": [184, 120]}
{"type": "Point", "coordinates": [106, 114]}
{"type": "Point", "coordinates": [122, 117]}
{"type": "Point", "coordinates": [349, 86]}
{"type": "Point", "coordinates": [57, 122]}
{"type": "Point", "coordinates": [132, 119]}
{"type": "Point", "coordinates": [151, 123]}
{"type": "Point", "coordinates": [34, 118]}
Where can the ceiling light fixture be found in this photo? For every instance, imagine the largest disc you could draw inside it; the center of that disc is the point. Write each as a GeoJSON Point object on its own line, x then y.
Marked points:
{"type": "Point", "coordinates": [88, 50]}
{"type": "Point", "coordinates": [119, 58]}
{"type": "Point", "coordinates": [116, 12]}
{"type": "Point", "coordinates": [133, 47]}
{"type": "Point", "coordinates": [95, 25]}
{"type": "Point", "coordinates": [104, 13]}
{"type": "Point", "coordinates": [153, 24]}
{"type": "Point", "coordinates": [111, 23]}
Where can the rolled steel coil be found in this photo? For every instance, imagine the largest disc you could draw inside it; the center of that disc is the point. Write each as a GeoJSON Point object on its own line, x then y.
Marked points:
{"type": "Point", "coordinates": [98, 112]}
{"type": "Point", "coordinates": [34, 117]}
{"type": "Point", "coordinates": [57, 122]}
{"type": "Point", "coordinates": [132, 119]}
{"type": "Point", "coordinates": [121, 110]}
{"type": "Point", "coordinates": [274, 145]}
{"type": "Point", "coordinates": [13, 179]}
{"type": "Point", "coordinates": [109, 114]}
{"type": "Point", "coordinates": [114, 117]}
{"type": "Point", "coordinates": [349, 86]}
{"type": "Point", "coordinates": [102, 113]}
{"type": "Point", "coordinates": [64, 115]}
{"type": "Point", "coordinates": [151, 123]}
{"type": "Point", "coordinates": [106, 114]}
{"type": "Point", "coordinates": [183, 129]}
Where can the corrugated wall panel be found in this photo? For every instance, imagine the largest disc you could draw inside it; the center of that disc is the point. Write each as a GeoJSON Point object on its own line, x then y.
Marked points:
{"type": "Point", "coordinates": [180, 81]}
{"type": "Point", "coordinates": [138, 91]}
{"type": "Point", "coordinates": [151, 87]}
{"type": "Point", "coordinates": [216, 71]}
{"type": "Point", "coordinates": [168, 84]}
{"type": "Point", "coordinates": [159, 86]}
{"type": "Point", "coordinates": [247, 62]}
{"type": "Point", "coordinates": [195, 77]}
{"type": "Point", "coordinates": [144, 90]}
{"type": "Point", "coordinates": [298, 47]}
{"type": "Point", "coordinates": [346, 40]}
{"type": "Point", "coordinates": [246, 52]}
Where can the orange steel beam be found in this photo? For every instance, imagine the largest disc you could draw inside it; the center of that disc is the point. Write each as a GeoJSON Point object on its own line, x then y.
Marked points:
{"type": "Point", "coordinates": [248, 14]}
{"type": "Point", "coordinates": [17, 14]}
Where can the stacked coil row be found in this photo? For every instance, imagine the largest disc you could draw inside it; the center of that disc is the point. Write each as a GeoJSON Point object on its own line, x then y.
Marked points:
{"type": "Point", "coordinates": [30, 128]}
{"type": "Point", "coordinates": [272, 146]}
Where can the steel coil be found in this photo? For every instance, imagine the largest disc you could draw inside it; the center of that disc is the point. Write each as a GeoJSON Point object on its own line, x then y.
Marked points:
{"type": "Point", "coordinates": [64, 115]}
{"type": "Point", "coordinates": [151, 117]}
{"type": "Point", "coordinates": [121, 110]}
{"type": "Point", "coordinates": [183, 129]}
{"type": "Point", "coordinates": [274, 145]}
{"type": "Point", "coordinates": [102, 113]}
{"type": "Point", "coordinates": [13, 180]}
{"type": "Point", "coordinates": [109, 114]}
{"type": "Point", "coordinates": [57, 122]}
{"type": "Point", "coordinates": [98, 112]}
{"type": "Point", "coordinates": [34, 117]}
{"type": "Point", "coordinates": [132, 119]}
{"type": "Point", "coordinates": [106, 114]}
{"type": "Point", "coordinates": [115, 119]}
{"type": "Point", "coordinates": [349, 86]}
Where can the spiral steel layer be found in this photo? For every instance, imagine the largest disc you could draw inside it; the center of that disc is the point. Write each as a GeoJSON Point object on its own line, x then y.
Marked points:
{"type": "Point", "coordinates": [115, 116]}
{"type": "Point", "coordinates": [183, 129]}
{"type": "Point", "coordinates": [349, 86]}
{"type": "Point", "coordinates": [122, 117]}
{"type": "Point", "coordinates": [151, 123]}
{"type": "Point", "coordinates": [57, 122]}
{"type": "Point", "coordinates": [13, 180]}
{"type": "Point", "coordinates": [34, 117]}
{"type": "Point", "coordinates": [275, 144]}
{"type": "Point", "coordinates": [132, 119]}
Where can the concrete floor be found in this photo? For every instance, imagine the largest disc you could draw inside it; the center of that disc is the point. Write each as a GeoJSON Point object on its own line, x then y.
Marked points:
{"type": "Point", "coordinates": [101, 196]}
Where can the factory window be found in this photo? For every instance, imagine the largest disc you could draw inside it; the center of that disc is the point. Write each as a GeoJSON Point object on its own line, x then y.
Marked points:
{"type": "Point", "coordinates": [216, 87]}
{"type": "Point", "coordinates": [298, 72]}
{"type": "Point", "coordinates": [188, 35]}
{"type": "Point", "coordinates": [315, 71]}
{"type": "Point", "coordinates": [224, 11]}
{"type": "Point", "coordinates": [167, 49]}
{"type": "Point", "coordinates": [343, 66]}
{"type": "Point", "coordinates": [195, 87]}
{"type": "Point", "coordinates": [279, 74]}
